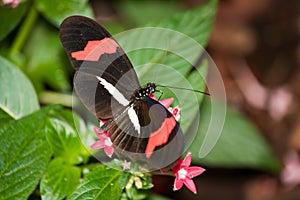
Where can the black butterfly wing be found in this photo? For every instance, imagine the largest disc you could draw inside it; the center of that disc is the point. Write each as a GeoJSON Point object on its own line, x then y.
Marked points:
{"type": "Point", "coordinates": [95, 54]}
{"type": "Point", "coordinates": [159, 143]}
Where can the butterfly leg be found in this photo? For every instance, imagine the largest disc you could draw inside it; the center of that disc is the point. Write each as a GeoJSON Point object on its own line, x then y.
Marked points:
{"type": "Point", "coordinates": [161, 93]}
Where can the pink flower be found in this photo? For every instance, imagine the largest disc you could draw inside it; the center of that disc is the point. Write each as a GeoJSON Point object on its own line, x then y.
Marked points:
{"type": "Point", "coordinates": [290, 174]}
{"type": "Point", "coordinates": [175, 112]}
{"type": "Point", "coordinates": [126, 165]}
{"type": "Point", "coordinates": [104, 142]}
{"type": "Point", "coordinates": [184, 173]}
{"type": "Point", "coordinates": [12, 3]}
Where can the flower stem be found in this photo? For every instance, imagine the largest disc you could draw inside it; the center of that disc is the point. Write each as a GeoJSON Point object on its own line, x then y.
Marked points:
{"type": "Point", "coordinates": [158, 172]}
{"type": "Point", "coordinates": [24, 31]}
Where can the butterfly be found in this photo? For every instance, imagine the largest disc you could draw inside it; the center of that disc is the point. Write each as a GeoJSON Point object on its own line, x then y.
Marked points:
{"type": "Point", "coordinates": [140, 128]}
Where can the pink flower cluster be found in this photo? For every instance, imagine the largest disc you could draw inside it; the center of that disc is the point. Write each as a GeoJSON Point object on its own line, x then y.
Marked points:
{"type": "Point", "coordinates": [12, 3]}
{"type": "Point", "coordinates": [104, 142]}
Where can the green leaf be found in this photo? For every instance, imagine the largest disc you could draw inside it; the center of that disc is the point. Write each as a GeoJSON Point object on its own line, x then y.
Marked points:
{"type": "Point", "coordinates": [176, 42]}
{"type": "Point", "coordinates": [24, 155]}
{"type": "Point", "coordinates": [4, 118]}
{"type": "Point", "coordinates": [157, 197]}
{"type": "Point", "coordinates": [101, 183]}
{"type": "Point", "coordinates": [10, 18]}
{"type": "Point", "coordinates": [18, 97]}
{"type": "Point", "coordinates": [195, 23]}
{"type": "Point", "coordinates": [46, 56]}
{"type": "Point", "coordinates": [136, 194]}
{"type": "Point", "coordinates": [57, 10]}
{"type": "Point", "coordinates": [141, 12]}
{"type": "Point", "coordinates": [180, 39]}
{"type": "Point", "coordinates": [240, 145]}
{"type": "Point", "coordinates": [62, 136]}
{"type": "Point", "coordinates": [60, 179]}
{"type": "Point", "coordinates": [124, 179]}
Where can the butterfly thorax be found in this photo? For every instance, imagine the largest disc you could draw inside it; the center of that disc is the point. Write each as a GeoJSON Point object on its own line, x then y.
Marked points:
{"type": "Point", "coordinates": [141, 93]}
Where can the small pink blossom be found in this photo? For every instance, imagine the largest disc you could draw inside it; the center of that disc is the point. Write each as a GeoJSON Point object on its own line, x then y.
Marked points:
{"type": "Point", "coordinates": [126, 165]}
{"type": "Point", "coordinates": [290, 174]}
{"type": "Point", "coordinates": [12, 3]}
{"type": "Point", "coordinates": [175, 112]}
{"type": "Point", "coordinates": [184, 173]}
{"type": "Point", "coordinates": [104, 142]}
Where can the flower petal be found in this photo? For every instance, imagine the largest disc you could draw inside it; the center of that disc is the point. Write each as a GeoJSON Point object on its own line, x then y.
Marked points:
{"type": "Point", "coordinates": [166, 102]}
{"type": "Point", "coordinates": [109, 150]}
{"type": "Point", "coordinates": [177, 184]}
{"type": "Point", "coordinates": [96, 130]}
{"type": "Point", "coordinates": [99, 134]}
{"type": "Point", "coordinates": [195, 171]}
{"type": "Point", "coordinates": [189, 183]}
{"type": "Point", "coordinates": [176, 167]}
{"type": "Point", "coordinates": [175, 112]}
{"type": "Point", "coordinates": [187, 160]}
{"type": "Point", "coordinates": [126, 165]}
{"type": "Point", "coordinates": [12, 3]}
{"type": "Point", "coordinates": [98, 145]}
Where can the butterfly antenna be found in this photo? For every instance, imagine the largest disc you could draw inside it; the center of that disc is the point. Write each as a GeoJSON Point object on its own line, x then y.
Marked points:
{"type": "Point", "coordinates": [206, 93]}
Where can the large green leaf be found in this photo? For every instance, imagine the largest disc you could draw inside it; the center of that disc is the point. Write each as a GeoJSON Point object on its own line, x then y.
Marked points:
{"type": "Point", "coordinates": [57, 10]}
{"type": "Point", "coordinates": [62, 136]}
{"type": "Point", "coordinates": [178, 38]}
{"type": "Point", "coordinates": [18, 97]}
{"type": "Point", "coordinates": [176, 42]}
{"type": "Point", "coordinates": [240, 144]}
{"type": "Point", "coordinates": [24, 155]}
{"type": "Point", "coordinates": [60, 179]}
{"type": "Point", "coordinates": [46, 56]}
{"type": "Point", "coordinates": [10, 18]}
{"type": "Point", "coordinates": [101, 183]}
{"type": "Point", "coordinates": [195, 23]}
{"type": "Point", "coordinates": [4, 118]}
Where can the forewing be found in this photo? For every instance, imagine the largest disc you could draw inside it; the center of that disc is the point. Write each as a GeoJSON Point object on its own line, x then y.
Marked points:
{"type": "Point", "coordinates": [93, 52]}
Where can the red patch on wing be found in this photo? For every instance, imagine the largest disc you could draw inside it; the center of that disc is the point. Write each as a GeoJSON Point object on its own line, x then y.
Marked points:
{"type": "Point", "coordinates": [160, 136]}
{"type": "Point", "coordinates": [95, 48]}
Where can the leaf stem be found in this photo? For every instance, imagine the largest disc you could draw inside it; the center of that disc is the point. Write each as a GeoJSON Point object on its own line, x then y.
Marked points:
{"type": "Point", "coordinates": [24, 31]}
{"type": "Point", "coordinates": [49, 97]}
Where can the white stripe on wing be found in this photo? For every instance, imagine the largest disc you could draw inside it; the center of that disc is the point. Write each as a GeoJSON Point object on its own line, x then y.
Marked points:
{"type": "Point", "coordinates": [113, 91]}
{"type": "Point", "coordinates": [134, 119]}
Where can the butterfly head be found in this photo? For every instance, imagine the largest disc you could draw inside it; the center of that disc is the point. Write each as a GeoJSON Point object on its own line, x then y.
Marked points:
{"type": "Point", "coordinates": [143, 92]}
